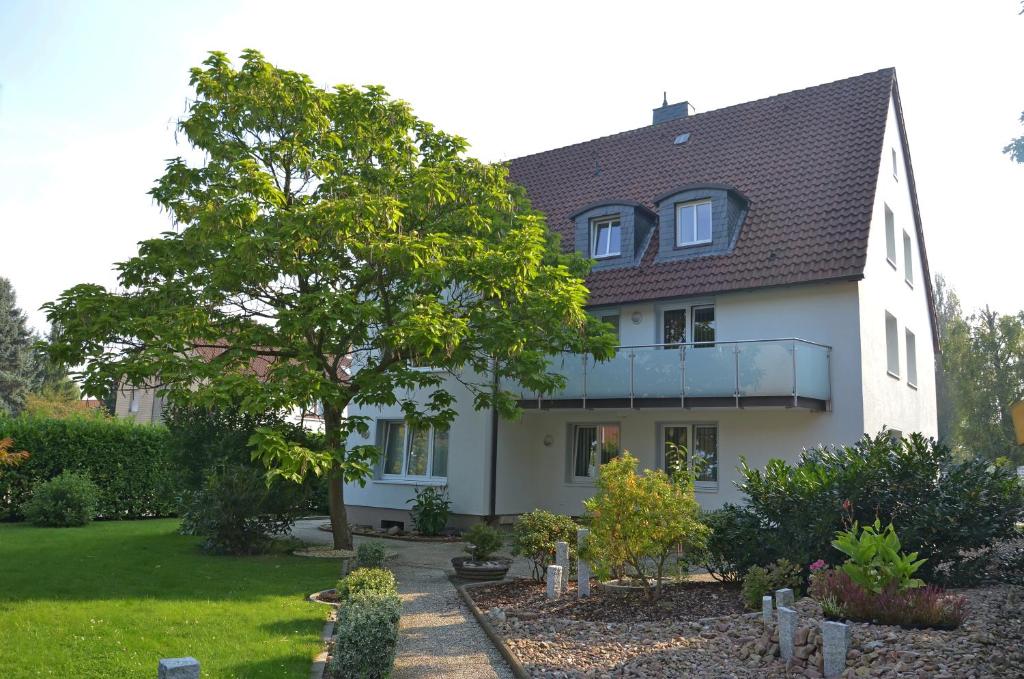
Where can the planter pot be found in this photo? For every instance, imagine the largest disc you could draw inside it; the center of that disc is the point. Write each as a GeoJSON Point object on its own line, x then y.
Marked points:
{"type": "Point", "coordinates": [328, 597]}
{"type": "Point", "coordinates": [624, 587]}
{"type": "Point", "coordinates": [492, 569]}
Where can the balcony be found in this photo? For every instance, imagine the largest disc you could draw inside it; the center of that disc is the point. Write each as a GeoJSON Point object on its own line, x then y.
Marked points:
{"type": "Point", "coordinates": [792, 373]}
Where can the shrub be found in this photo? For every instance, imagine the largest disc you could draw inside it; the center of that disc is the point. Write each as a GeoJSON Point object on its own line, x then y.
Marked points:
{"type": "Point", "coordinates": [760, 581]}
{"type": "Point", "coordinates": [926, 606]}
{"type": "Point", "coordinates": [68, 499]}
{"type": "Point", "coordinates": [128, 462]}
{"type": "Point", "coordinates": [379, 580]}
{"type": "Point", "coordinates": [238, 513]}
{"type": "Point", "coordinates": [482, 542]}
{"type": "Point", "coordinates": [638, 521]}
{"type": "Point", "coordinates": [370, 555]}
{"type": "Point", "coordinates": [430, 510]}
{"type": "Point", "coordinates": [535, 536]}
{"type": "Point", "coordinates": [734, 544]}
{"type": "Point", "coordinates": [875, 561]}
{"type": "Point", "coordinates": [944, 507]}
{"type": "Point", "coordinates": [367, 635]}
{"type": "Point", "coordinates": [9, 457]}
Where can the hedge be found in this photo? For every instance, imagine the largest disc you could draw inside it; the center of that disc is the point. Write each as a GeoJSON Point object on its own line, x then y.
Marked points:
{"type": "Point", "coordinates": [367, 636]}
{"type": "Point", "coordinates": [129, 462]}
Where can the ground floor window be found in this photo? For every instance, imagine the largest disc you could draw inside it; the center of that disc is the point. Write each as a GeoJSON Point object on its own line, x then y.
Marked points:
{"type": "Point", "coordinates": [414, 452]}
{"type": "Point", "coordinates": [593, 445]}
{"type": "Point", "coordinates": [699, 444]}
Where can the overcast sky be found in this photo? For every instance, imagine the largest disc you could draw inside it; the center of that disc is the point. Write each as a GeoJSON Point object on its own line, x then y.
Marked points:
{"type": "Point", "coordinates": [90, 92]}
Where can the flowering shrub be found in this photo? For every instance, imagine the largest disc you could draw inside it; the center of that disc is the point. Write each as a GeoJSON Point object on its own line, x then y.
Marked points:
{"type": "Point", "coordinates": [371, 555]}
{"type": "Point", "coordinates": [842, 598]}
{"type": "Point", "coordinates": [638, 521]}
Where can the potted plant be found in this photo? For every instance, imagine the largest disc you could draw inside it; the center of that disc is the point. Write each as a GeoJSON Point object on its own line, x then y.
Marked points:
{"type": "Point", "coordinates": [481, 564]}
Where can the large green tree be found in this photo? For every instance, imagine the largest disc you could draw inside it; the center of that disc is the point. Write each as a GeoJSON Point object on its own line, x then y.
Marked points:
{"type": "Point", "coordinates": [17, 359]}
{"type": "Point", "coordinates": [329, 246]}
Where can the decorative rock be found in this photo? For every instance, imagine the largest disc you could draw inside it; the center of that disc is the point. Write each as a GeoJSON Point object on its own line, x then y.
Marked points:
{"type": "Point", "coordinates": [835, 637]}
{"type": "Point", "coordinates": [562, 559]}
{"type": "Point", "coordinates": [554, 582]}
{"type": "Point", "coordinates": [766, 610]}
{"type": "Point", "coordinates": [394, 530]}
{"type": "Point", "coordinates": [787, 631]}
{"type": "Point", "coordinates": [783, 597]}
{"type": "Point", "coordinates": [582, 567]}
{"type": "Point", "coordinates": [178, 668]}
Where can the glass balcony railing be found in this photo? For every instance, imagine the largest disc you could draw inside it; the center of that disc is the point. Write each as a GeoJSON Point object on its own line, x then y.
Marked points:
{"type": "Point", "coordinates": [790, 372]}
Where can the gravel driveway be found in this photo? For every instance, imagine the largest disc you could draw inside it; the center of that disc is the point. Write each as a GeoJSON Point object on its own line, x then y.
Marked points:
{"type": "Point", "coordinates": [438, 635]}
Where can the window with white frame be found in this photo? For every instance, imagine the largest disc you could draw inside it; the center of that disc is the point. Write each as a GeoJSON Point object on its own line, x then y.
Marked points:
{"type": "Point", "coordinates": [911, 359]}
{"type": "Point", "coordinates": [414, 452]}
{"type": "Point", "coordinates": [693, 223]}
{"type": "Point", "coordinates": [894, 164]}
{"type": "Point", "coordinates": [674, 329]}
{"type": "Point", "coordinates": [693, 447]}
{"type": "Point", "coordinates": [592, 446]}
{"type": "Point", "coordinates": [605, 237]}
{"type": "Point", "coordinates": [890, 236]}
{"type": "Point", "coordinates": [908, 260]}
{"type": "Point", "coordinates": [892, 346]}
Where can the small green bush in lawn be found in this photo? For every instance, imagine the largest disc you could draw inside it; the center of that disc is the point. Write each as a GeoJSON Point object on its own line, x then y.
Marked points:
{"type": "Point", "coordinates": [370, 555]}
{"type": "Point", "coordinates": [760, 581]}
{"type": "Point", "coordinates": [367, 635]}
{"type": "Point", "coordinates": [535, 536]}
{"type": "Point", "coordinates": [68, 499]}
{"type": "Point", "coordinates": [366, 580]}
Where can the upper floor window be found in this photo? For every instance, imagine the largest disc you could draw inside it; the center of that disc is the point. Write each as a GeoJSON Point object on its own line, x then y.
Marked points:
{"type": "Point", "coordinates": [895, 165]}
{"type": "Point", "coordinates": [693, 223]}
{"type": "Point", "coordinates": [908, 260]}
{"type": "Point", "coordinates": [892, 347]}
{"type": "Point", "coordinates": [605, 238]}
{"type": "Point", "coordinates": [674, 326]}
{"type": "Point", "coordinates": [612, 320]}
{"type": "Point", "coordinates": [911, 359]}
{"type": "Point", "coordinates": [415, 452]}
{"type": "Point", "coordinates": [593, 445]}
{"type": "Point", "coordinates": [890, 236]}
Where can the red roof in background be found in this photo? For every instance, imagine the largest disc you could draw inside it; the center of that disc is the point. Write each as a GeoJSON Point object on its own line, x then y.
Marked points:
{"type": "Point", "coordinates": [807, 160]}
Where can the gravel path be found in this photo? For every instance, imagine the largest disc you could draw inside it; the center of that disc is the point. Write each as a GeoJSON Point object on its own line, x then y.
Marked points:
{"type": "Point", "coordinates": [438, 635]}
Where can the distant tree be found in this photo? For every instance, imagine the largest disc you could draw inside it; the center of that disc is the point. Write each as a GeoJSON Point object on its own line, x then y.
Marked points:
{"type": "Point", "coordinates": [325, 229]}
{"type": "Point", "coordinates": [953, 332]}
{"type": "Point", "coordinates": [17, 365]}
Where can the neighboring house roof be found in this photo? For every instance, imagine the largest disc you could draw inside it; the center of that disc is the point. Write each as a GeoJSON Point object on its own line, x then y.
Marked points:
{"type": "Point", "coordinates": [808, 162]}
{"type": "Point", "coordinates": [259, 365]}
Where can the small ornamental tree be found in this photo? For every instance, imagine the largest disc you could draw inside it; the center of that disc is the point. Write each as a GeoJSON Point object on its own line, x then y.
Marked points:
{"type": "Point", "coordinates": [638, 521]}
{"type": "Point", "coordinates": [327, 245]}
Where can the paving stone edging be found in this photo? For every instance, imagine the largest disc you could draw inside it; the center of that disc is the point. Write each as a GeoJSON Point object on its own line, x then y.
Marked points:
{"type": "Point", "coordinates": [316, 671]}
{"type": "Point", "coordinates": [499, 642]}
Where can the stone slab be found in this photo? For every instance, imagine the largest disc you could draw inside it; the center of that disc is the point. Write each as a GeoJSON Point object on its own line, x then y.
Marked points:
{"type": "Point", "coordinates": [582, 567]}
{"type": "Point", "coordinates": [784, 597]}
{"type": "Point", "coordinates": [766, 610]}
{"type": "Point", "coordinates": [835, 644]}
{"type": "Point", "coordinates": [178, 668]}
{"type": "Point", "coordinates": [787, 631]}
{"type": "Point", "coordinates": [554, 581]}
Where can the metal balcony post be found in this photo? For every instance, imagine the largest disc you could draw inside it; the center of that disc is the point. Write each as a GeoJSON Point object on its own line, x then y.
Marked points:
{"type": "Point", "coordinates": [736, 367]}
{"type": "Point", "coordinates": [795, 390]}
{"type": "Point", "coordinates": [632, 384]}
{"type": "Point", "coordinates": [828, 363]}
{"type": "Point", "coordinates": [682, 376]}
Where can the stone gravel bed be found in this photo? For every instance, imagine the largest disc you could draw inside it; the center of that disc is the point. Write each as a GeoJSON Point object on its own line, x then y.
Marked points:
{"type": "Point", "coordinates": [567, 638]}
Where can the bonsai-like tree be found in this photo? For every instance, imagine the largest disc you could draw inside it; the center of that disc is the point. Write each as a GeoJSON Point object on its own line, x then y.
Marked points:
{"type": "Point", "coordinates": [328, 245]}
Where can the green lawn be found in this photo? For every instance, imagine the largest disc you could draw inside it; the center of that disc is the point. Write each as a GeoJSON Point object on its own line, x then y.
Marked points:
{"type": "Point", "coordinates": [111, 599]}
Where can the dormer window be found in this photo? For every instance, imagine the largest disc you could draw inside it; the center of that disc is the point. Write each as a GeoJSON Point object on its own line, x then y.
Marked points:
{"type": "Point", "coordinates": [693, 223]}
{"type": "Point", "coordinates": [605, 237]}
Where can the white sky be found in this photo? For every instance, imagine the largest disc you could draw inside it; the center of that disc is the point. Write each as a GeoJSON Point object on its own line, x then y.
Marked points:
{"type": "Point", "coordinates": [89, 93]}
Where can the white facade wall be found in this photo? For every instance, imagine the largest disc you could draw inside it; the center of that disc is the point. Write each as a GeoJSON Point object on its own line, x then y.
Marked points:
{"type": "Point", "coordinates": [889, 400]}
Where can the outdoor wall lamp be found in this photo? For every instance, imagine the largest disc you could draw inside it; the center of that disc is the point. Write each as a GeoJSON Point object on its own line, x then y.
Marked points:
{"type": "Point", "coordinates": [548, 439]}
{"type": "Point", "coordinates": [637, 317]}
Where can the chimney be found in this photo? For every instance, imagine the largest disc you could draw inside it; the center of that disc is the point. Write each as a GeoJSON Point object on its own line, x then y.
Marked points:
{"type": "Point", "coordinates": [668, 111]}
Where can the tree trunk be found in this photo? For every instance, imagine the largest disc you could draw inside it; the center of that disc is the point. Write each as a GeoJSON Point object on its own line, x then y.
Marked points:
{"type": "Point", "coordinates": [336, 487]}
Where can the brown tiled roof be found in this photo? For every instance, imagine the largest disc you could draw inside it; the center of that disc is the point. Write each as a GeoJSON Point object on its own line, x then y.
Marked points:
{"type": "Point", "coordinates": [808, 162]}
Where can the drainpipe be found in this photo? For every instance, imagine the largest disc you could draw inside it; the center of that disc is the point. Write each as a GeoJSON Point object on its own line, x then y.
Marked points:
{"type": "Point", "coordinates": [492, 516]}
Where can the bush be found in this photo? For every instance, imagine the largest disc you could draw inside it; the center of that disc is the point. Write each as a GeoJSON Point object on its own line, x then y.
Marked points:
{"type": "Point", "coordinates": [68, 499]}
{"type": "Point", "coordinates": [875, 561]}
{"type": "Point", "coordinates": [370, 555]}
{"type": "Point", "coordinates": [636, 521]}
{"type": "Point", "coordinates": [535, 536]}
{"type": "Point", "coordinates": [379, 580]}
{"type": "Point", "coordinates": [367, 635]}
{"type": "Point", "coordinates": [734, 544]}
{"type": "Point", "coordinates": [128, 462]}
{"type": "Point", "coordinates": [760, 581]}
{"type": "Point", "coordinates": [944, 507]}
{"type": "Point", "coordinates": [238, 513]}
{"type": "Point", "coordinates": [430, 510]}
{"type": "Point", "coordinates": [482, 542]}
{"type": "Point", "coordinates": [929, 606]}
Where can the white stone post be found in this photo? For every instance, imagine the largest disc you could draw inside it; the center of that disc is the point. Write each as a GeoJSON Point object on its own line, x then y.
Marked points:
{"type": "Point", "coordinates": [562, 559]}
{"type": "Point", "coordinates": [582, 567]}
{"type": "Point", "coordinates": [178, 668]}
{"type": "Point", "coordinates": [554, 582]}
{"type": "Point", "coordinates": [783, 597]}
{"type": "Point", "coordinates": [787, 631]}
{"type": "Point", "coordinates": [766, 610]}
{"type": "Point", "coordinates": [835, 644]}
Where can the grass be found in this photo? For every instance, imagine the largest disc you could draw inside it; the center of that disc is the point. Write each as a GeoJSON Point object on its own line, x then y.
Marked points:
{"type": "Point", "coordinates": [112, 598]}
